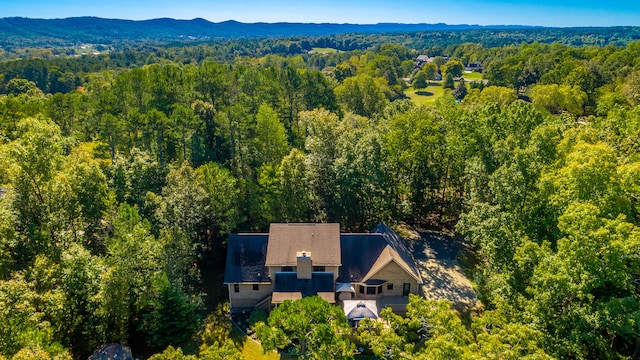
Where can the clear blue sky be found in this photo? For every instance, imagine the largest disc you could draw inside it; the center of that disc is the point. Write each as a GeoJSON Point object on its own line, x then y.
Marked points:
{"type": "Point", "coordinates": [492, 12]}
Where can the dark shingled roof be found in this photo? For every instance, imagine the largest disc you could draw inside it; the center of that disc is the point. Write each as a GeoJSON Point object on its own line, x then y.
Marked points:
{"type": "Point", "coordinates": [289, 282]}
{"type": "Point", "coordinates": [246, 255]}
{"type": "Point", "coordinates": [246, 258]}
{"type": "Point", "coordinates": [359, 253]}
{"type": "Point", "coordinates": [397, 243]}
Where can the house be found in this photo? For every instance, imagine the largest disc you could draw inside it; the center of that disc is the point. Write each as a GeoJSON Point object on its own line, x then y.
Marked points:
{"type": "Point", "coordinates": [362, 272]}
{"type": "Point", "coordinates": [475, 66]}
{"type": "Point", "coordinates": [421, 60]}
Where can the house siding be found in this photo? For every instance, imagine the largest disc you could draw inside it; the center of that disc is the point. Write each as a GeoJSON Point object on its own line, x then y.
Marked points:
{"type": "Point", "coordinates": [397, 276]}
{"type": "Point", "coordinates": [334, 270]}
{"type": "Point", "coordinates": [247, 297]}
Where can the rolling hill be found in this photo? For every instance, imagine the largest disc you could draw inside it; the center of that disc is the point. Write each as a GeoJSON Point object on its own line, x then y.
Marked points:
{"type": "Point", "coordinates": [57, 32]}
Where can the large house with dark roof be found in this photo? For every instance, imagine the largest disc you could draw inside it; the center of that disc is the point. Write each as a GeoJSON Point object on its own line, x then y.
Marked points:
{"type": "Point", "coordinates": [298, 260]}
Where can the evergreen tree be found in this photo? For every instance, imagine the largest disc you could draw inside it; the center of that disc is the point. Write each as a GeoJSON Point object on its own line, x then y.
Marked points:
{"type": "Point", "coordinates": [448, 82]}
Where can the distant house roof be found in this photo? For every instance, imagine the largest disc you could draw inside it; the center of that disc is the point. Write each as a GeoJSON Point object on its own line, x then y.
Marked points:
{"type": "Point", "coordinates": [423, 58]}
{"type": "Point", "coordinates": [321, 240]}
{"type": "Point", "coordinates": [473, 66]}
{"type": "Point", "coordinates": [2, 191]}
{"type": "Point", "coordinates": [288, 282]}
{"type": "Point", "coordinates": [246, 258]}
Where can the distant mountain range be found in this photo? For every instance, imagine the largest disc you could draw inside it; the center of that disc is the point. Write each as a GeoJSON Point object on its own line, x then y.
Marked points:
{"type": "Point", "coordinates": [55, 32]}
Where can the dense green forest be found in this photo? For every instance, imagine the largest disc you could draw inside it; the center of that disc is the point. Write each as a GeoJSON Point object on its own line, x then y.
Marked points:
{"type": "Point", "coordinates": [123, 174]}
{"type": "Point", "coordinates": [18, 32]}
{"type": "Point", "coordinates": [23, 38]}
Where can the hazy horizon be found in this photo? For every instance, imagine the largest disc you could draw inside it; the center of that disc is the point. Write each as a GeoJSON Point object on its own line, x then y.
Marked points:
{"type": "Point", "coordinates": [493, 12]}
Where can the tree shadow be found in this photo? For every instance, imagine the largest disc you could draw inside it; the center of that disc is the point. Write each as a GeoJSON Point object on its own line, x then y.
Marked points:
{"type": "Point", "coordinates": [424, 93]}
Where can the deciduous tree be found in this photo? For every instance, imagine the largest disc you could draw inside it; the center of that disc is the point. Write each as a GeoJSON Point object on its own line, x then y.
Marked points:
{"type": "Point", "coordinates": [315, 328]}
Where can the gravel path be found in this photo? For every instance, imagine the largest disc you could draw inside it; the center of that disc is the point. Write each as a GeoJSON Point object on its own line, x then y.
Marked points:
{"type": "Point", "coordinates": [442, 276]}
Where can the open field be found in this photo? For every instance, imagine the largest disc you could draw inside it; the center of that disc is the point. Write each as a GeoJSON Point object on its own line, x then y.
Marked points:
{"type": "Point", "coordinates": [472, 76]}
{"type": "Point", "coordinates": [427, 95]}
{"type": "Point", "coordinates": [324, 50]}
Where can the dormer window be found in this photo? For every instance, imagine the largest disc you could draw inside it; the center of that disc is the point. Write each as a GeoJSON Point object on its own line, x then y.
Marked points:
{"type": "Point", "coordinates": [319, 269]}
{"type": "Point", "coordinates": [287, 269]}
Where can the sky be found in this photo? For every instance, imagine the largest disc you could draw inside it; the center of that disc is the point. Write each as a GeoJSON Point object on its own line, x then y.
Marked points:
{"type": "Point", "coordinates": [493, 12]}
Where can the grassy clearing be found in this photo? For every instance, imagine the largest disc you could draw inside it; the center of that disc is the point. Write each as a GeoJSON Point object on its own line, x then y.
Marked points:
{"type": "Point", "coordinates": [425, 96]}
{"type": "Point", "coordinates": [472, 76]}
{"type": "Point", "coordinates": [324, 50]}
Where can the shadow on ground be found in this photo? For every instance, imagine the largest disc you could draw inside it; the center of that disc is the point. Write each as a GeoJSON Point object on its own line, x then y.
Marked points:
{"type": "Point", "coordinates": [442, 277]}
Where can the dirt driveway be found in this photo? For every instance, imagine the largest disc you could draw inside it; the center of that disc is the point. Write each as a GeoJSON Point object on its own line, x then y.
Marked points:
{"type": "Point", "coordinates": [442, 276]}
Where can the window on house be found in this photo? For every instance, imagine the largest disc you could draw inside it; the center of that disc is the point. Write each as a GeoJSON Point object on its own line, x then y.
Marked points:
{"type": "Point", "coordinates": [287, 269]}
{"type": "Point", "coordinates": [389, 286]}
{"type": "Point", "coordinates": [361, 289]}
{"type": "Point", "coordinates": [380, 289]}
{"type": "Point", "coordinates": [371, 290]}
{"type": "Point", "coordinates": [319, 268]}
{"type": "Point", "coordinates": [236, 288]}
{"type": "Point", "coordinates": [256, 287]}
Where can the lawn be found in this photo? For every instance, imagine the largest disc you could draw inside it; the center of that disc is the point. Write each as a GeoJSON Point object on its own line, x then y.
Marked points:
{"type": "Point", "coordinates": [427, 95]}
{"type": "Point", "coordinates": [324, 50]}
{"type": "Point", "coordinates": [472, 76]}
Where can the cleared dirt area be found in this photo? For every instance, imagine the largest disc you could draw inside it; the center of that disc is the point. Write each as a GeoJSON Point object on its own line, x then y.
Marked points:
{"type": "Point", "coordinates": [442, 276]}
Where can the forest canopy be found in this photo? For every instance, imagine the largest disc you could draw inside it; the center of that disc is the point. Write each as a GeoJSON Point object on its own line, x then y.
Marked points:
{"type": "Point", "coordinates": [123, 174]}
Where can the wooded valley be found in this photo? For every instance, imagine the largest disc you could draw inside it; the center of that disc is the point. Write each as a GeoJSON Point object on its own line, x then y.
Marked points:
{"type": "Point", "coordinates": [122, 174]}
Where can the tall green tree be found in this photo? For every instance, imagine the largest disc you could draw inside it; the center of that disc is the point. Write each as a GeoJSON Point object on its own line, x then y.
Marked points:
{"type": "Point", "coordinates": [34, 159]}
{"type": "Point", "coordinates": [448, 82]}
{"type": "Point", "coordinates": [270, 144]}
{"type": "Point", "coordinates": [362, 95]}
{"type": "Point", "coordinates": [420, 80]}
{"type": "Point", "coordinates": [315, 328]}
{"type": "Point", "coordinates": [453, 67]}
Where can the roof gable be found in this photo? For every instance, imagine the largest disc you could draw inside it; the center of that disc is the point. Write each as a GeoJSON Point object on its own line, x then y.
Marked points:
{"type": "Point", "coordinates": [399, 251]}
{"type": "Point", "coordinates": [321, 241]}
{"type": "Point", "coordinates": [388, 256]}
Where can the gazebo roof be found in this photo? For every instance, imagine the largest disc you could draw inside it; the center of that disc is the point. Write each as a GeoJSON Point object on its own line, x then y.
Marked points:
{"type": "Point", "coordinates": [360, 312]}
